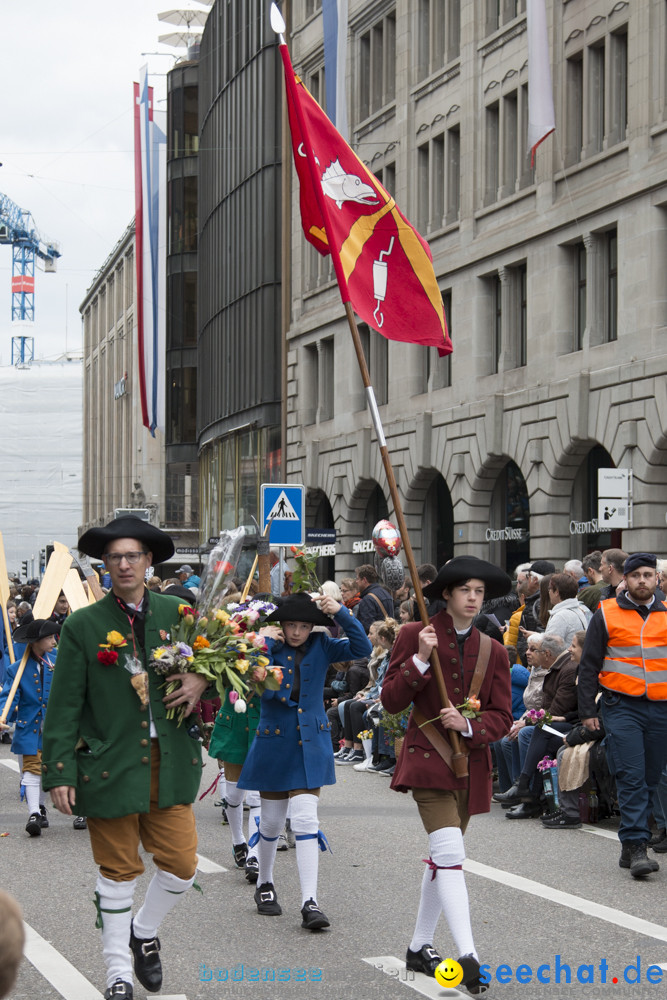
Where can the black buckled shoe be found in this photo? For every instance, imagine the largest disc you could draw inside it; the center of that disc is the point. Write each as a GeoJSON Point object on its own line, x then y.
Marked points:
{"type": "Point", "coordinates": [251, 869]}
{"type": "Point", "coordinates": [147, 964]}
{"type": "Point", "coordinates": [34, 824]}
{"type": "Point", "coordinates": [43, 818]}
{"type": "Point", "coordinates": [425, 960]}
{"type": "Point", "coordinates": [79, 823]}
{"type": "Point", "coordinates": [240, 852]}
{"type": "Point", "coordinates": [267, 901]}
{"type": "Point", "coordinates": [471, 981]}
{"type": "Point", "coordinates": [120, 990]}
{"type": "Point", "coordinates": [313, 918]}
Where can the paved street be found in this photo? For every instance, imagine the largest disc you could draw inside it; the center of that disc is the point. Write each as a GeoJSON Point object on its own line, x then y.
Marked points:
{"type": "Point", "coordinates": [535, 895]}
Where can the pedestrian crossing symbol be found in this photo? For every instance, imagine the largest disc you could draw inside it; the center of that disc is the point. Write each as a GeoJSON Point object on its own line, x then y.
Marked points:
{"type": "Point", "coordinates": [284, 504]}
{"type": "Point", "coordinates": [282, 509]}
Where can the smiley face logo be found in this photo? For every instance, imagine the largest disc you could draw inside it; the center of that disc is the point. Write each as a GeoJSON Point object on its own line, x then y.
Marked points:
{"type": "Point", "coordinates": [449, 973]}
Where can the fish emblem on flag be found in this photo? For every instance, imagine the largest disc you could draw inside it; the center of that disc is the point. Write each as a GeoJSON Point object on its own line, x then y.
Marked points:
{"type": "Point", "coordinates": [383, 266]}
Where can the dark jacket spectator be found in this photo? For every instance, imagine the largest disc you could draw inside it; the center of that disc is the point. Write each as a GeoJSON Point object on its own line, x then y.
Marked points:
{"type": "Point", "coordinates": [374, 598]}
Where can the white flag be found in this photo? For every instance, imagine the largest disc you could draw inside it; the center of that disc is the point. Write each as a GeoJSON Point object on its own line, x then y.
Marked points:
{"type": "Point", "coordinates": [541, 118]}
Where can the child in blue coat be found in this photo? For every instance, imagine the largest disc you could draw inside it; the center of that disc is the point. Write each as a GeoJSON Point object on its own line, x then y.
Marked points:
{"type": "Point", "coordinates": [30, 699]}
{"type": "Point", "coordinates": [292, 756]}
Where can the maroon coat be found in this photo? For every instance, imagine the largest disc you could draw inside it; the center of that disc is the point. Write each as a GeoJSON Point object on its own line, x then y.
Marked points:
{"type": "Point", "coordinates": [419, 765]}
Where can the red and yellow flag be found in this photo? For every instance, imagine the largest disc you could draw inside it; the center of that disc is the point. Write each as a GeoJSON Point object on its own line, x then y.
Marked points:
{"type": "Point", "coordinates": [383, 266]}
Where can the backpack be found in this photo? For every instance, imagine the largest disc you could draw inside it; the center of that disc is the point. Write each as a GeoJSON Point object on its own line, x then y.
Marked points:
{"type": "Point", "coordinates": [604, 780]}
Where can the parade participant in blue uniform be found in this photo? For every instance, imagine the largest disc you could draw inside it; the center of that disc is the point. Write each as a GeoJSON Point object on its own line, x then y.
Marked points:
{"type": "Point", "coordinates": [291, 756]}
{"type": "Point", "coordinates": [32, 694]}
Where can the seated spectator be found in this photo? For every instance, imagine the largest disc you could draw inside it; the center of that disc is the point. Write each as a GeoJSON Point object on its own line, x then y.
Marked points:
{"type": "Point", "coordinates": [560, 701]}
{"type": "Point", "coordinates": [354, 709]}
{"type": "Point", "coordinates": [505, 751]}
{"type": "Point", "coordinates": [155, 583]}
{"type": "Point", "coordinates": [351, 677]}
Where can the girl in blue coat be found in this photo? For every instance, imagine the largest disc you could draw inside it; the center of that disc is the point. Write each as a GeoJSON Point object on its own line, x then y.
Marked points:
{"type": "Point", "coordinates": [30, 701]}
{"type": "Point", "coordinates": [291, 756]}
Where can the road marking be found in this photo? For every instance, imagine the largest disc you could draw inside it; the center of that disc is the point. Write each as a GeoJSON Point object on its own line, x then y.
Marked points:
{"type": "Point", "coordinates": [171, 996]}
{"type": "Point", "coordinates": [609, 834]}
{"type": "Point", "coordinates": [55, 968]}
{"type": "Point", "coordinates": [426, 985]}
{"type": "Point", "coordinates": [207, 866]}
{"type": "Point", "coordinates": [11, 764]}
{"type": "Point", "coordinates": [613, 916]}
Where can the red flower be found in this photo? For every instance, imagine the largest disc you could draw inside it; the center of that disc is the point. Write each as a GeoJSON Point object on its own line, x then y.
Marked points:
{"type": "Point", "coordinates": [108, 657]}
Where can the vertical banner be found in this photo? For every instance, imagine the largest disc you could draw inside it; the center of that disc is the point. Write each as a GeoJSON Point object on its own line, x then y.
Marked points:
{"type": "Point", "coordinates": [150, 167]}
{"type": "Point", "coordinates": [541, 116]}
{"type": "Point", "coordinates": [334, 21]}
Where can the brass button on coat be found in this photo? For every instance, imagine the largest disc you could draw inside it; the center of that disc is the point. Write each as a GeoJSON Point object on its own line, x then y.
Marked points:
{"type": "Point", "coordinates": [105, 774]}
{"type": "Point", "coordinates": [144, 743]}
{"type": "Point", "coordinates": [144, 760]}
{"type": "Point", "coordinates": [60, 766]}
{"type": "Point", "coordinates": [86, 777]}
{"type": "Point", "coordinates": [144, 724]}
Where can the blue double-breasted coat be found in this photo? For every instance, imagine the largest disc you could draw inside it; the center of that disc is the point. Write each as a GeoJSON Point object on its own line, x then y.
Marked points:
{"type": "Point", "coordinates": [292, 748]}
{"type": "Point", "coordinates": [30, 699]}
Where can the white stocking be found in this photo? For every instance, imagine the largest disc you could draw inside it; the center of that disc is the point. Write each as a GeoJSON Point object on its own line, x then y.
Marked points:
{"type": "Point", "coordinates": [305, 826]}
{"type": "Point", "coordinates": [234, 796]}
{"type": "Point", "coordinates": [254, 802]}
{"type": "Point", "coordinates": [447, 852]}
{"type": "Point", "coordinates": [33, 786]}
{"type": "Point", "coordinates": [428, 913]}
{"type": "Point", "coordinates": [114, 902]}
{"type": "Point", "coordinates": [164, 892]}
{"type": "Point", "coordinates": [271, 823]}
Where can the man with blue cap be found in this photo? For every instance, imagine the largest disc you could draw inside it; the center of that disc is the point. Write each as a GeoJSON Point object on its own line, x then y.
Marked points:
{"type": "Point", "coordinates": [625, 654]}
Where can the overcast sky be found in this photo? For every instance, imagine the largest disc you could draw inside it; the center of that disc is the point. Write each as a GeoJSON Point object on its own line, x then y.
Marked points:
{"type": "Point", "coordinates": [66, 142]}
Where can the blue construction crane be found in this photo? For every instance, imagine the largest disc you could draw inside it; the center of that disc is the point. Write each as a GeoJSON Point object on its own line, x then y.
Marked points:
{"type": "Point", "coordinates": [17, 228]}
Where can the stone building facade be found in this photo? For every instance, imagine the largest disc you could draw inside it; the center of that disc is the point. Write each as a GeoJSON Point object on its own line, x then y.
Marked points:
{"type": "Point", "coordinates": [123, 466]}
{"type": "Point", "coordinates": [552, 278]}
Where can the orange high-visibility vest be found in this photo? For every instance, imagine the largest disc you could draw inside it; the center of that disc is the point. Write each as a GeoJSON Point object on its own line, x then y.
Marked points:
{"type": "Point", "coordinates": [636, 657]}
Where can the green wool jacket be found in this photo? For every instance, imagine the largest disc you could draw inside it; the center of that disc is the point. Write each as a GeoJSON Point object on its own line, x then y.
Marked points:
{"type": "Point", "coordinates": [96, 734]}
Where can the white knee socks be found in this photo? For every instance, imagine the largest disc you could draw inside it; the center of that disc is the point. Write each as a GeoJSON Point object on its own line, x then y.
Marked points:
{"type": "Point", "coordinates": [428, 913]}
{"type": "Point", "coordinates": [33, 787]}
{"type": "Point", "coordinates": [305, 825]}
{"type": "Point", "coordinates": [271, 823]}
{"type": "Point", "coordinates": [234, 796]}
{"type": "Point", "coordinates": [164, 892]}
{"type": "Point", "coordinates": [114, 901]}
{"type": "Point", "coordinates": [447, 852]}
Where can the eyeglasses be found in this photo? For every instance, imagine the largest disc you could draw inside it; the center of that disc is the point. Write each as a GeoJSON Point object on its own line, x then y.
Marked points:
{"type": "Point", "coordinates": [116, 558]}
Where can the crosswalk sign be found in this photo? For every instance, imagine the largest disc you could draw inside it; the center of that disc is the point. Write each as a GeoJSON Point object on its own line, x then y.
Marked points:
{"type": "Point", "coordinates": [284, 505]}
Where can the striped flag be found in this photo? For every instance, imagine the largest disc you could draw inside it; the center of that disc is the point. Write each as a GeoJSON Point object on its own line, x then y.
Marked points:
{"type": "Point", "coordinates": [383, 266]}
{"type": "Point", "coordinates": [150, 171]}
{"type": "Point", "coordinates": [541, 117]}
{"type": "Point", "coordinates": [334, 18]}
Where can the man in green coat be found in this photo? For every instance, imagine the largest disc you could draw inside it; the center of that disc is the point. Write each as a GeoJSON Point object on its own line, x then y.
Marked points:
{"type": "Point", "coordinates": [110, 753]}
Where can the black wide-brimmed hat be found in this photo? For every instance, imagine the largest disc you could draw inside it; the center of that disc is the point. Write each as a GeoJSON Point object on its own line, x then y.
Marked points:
{"type": "Point", "coordinates": [94, 541]}
{"type": "Point", "coordinates": [299, 608]}
{"type": "Point", "coordinates": [36, 629]}
{"type": "Point", "coordinates": [496, 581]}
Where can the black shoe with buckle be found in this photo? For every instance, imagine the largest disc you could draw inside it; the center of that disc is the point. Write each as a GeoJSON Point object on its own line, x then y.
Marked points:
{"type": "Point", "coordinates": [267, 901]}
{"type": "Point", "coordinates": [34, 824]}
{"type": "Point", "coordinates": [471, 970]}
{"type": "Point", "coordinates": [147, 964]}
{"type": "Point", "coordinates": [240, 852]}
{"type": "Point", "coordinates": [80, 823]}
{"type": "Point", "coordinates": [425, 960]}
{"type": "Point", "coordinates": [251, 869]}
{"type": "Point", "coordinates": [313, 918]}
{"type": "Point", "coordinates": [43, 818]}
{"type": "Point", "coordinates": [120, 990]}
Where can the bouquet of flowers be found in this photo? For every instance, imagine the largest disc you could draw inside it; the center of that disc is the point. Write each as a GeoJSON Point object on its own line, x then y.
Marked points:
{"type": "Point", "coordinates": [220, 643]}
{"type": "Point", "coordinates": [546, 764]}
{"type": "Point", "coordinates": [395, 725]}
{"type": "Point", "coordinates": [537, 717]}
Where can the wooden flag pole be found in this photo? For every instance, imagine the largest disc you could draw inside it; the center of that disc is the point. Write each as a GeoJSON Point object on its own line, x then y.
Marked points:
{"type": "Point", "coordinates": [4, 597]}
{"type": "Point", "coordinates": [244, 595]}
{"type": "Point", "coordinates": [459, 759]}
{"type": "Point", "coordinates": [49, 591]}
{"type": "Point", "coordinates": [74, 591]}
{"type": "Point", "coordinates": [91, 576]}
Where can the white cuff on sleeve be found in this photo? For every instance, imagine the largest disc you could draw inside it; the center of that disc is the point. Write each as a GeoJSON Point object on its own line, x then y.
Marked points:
{"type": "Point", "coordinates": [420, 665]}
